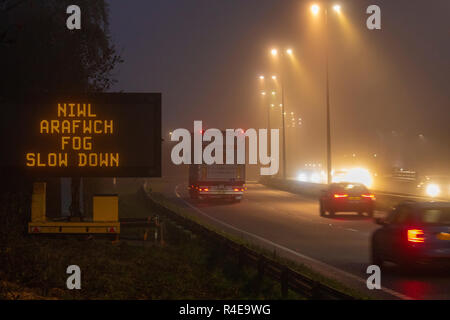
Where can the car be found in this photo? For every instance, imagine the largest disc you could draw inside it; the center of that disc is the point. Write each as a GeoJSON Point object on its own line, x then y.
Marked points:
{"type": "Point", "coordinates": [346, 197]}
{"type": "Point", "coordinates": [414, 233]}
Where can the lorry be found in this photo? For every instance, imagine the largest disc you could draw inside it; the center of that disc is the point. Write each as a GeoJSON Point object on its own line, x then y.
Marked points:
{"type": "Point", "coordinates": [217, 181]}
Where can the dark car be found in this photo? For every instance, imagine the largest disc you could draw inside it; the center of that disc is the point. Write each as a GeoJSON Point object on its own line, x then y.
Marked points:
{"type": "Point", "coordinates": [346, 197]}
{"type": "Point", "coordinates": [412, 234]}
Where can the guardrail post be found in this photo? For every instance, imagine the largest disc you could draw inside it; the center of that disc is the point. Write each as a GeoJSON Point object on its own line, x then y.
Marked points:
{"type": "Point", "coordinates": [161, 233]}
{"type": "Point", "coordinates": [284, 282]}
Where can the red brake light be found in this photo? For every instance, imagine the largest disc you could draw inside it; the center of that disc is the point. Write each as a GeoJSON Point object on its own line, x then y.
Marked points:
{"type": "Point", "coordinates": [36, 230]}
{"type": "Point", "coordinates": [368, 196]}
{"type": "Point", "coordinates": [339, 195]}
{"type": "Point", "coordinates": [415, 235]}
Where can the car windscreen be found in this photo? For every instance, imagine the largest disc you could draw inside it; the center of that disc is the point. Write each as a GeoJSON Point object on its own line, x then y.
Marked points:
{"type": "Point", "coordinates": [438, 216]}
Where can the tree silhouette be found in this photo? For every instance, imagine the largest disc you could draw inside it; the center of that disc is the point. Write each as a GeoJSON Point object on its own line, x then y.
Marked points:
{"type": "Point", "coordinates": [38, 54]}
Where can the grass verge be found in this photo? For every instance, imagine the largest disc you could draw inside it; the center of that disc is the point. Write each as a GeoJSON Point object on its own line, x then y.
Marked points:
{"type": "Point", "coordinates": [186, 267]}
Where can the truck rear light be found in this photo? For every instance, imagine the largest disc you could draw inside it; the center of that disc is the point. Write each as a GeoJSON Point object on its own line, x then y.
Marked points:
{"type": "Point", "coordinates": [415, 235]}
{"type": "Point", "coordinates": [368, 196]}
{"type": "Point", "coordinates": [340, 195]}
{"type": "Point", "coordinates": [36, 230]}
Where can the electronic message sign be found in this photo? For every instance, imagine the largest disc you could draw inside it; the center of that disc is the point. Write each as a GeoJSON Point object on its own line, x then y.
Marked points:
{"type": "Point", "coordinates": [89, 135]}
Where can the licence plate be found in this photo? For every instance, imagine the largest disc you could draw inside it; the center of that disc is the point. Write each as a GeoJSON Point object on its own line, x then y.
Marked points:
{"type": "Point", "coordinates": [443, 236]}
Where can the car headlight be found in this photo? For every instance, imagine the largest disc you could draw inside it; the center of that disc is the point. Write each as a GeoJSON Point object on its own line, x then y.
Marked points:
{"type": "Point", "coordinates": [433, 190]}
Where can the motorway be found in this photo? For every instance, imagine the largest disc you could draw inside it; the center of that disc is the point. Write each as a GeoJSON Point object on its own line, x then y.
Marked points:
{"type": "Point", "coordinates": [337, 247]}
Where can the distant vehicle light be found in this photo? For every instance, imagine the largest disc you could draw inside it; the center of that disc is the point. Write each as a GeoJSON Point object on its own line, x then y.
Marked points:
{"type": "Point", "coordinates": [433, 190]}
{"type": "Point", "coordinates": [415, 236]}
{"type": "Point", "coordinates": [302, 177]}
{"type": "Point", "coordinates": [356, 175]}
{"type": "Point", "coordinates": [368, 196]}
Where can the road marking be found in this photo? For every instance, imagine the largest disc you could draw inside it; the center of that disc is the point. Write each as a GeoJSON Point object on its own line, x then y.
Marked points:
{"type": "Point", "coordinates": [337, 270]}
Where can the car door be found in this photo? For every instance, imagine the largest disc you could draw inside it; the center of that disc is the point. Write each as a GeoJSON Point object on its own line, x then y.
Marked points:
{"type": "Point", "coordinates": [384, 235]}
{"type": "Point", "coordinates": [395, 233]}
{"type": "Point", "coordinates": [325, 196]}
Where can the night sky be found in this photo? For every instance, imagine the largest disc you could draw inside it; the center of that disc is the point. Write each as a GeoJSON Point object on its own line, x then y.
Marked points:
{"type": "Point", "coordinates": [389, 88]}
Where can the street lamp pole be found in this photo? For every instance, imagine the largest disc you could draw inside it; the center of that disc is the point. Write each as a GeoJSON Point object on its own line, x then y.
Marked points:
{"type": "Point", "coordinates": [282, 82]}
{"type": "Point", "coordinates": [268, 121]}
{"type": "Point", "coordinates": [283, 117]}
{"type": "Point", "coordinates": [329, 177]}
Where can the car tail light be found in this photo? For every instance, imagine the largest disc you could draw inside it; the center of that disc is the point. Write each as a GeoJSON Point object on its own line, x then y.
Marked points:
{"type": "Point", "coordinates": [36, 230]}
{"type": "Point", "coordinates": [416, 236]}
{"type": "Point", "coordinates": [340, 195]}
{"type": "Point", "coordinates": [112, 230]}
{"type": "Point", "coordinates": [368, 196]}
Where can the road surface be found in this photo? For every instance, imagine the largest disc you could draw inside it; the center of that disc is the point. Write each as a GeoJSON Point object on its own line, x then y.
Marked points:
{"type": "Point", "coordinates": [337, 247]}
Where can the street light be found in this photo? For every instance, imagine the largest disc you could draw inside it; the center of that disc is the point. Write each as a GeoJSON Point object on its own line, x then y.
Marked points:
{"type": "Point", "coordinates": [269, 106]}
{"type": "Point", "coordinates": [275, 53]}
{"type": "Point", "coordinates": [315, 10]}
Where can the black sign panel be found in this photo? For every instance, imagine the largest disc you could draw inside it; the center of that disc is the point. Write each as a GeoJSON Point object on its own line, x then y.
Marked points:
{"type": "Point", "coordinates": [89, 135]}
